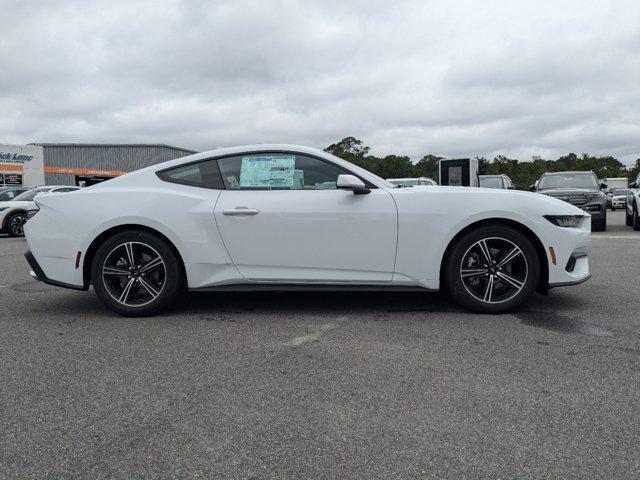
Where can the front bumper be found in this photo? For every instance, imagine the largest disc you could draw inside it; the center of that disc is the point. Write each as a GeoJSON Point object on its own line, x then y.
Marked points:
{"type": "Point", "coordinates": [566, 251]}
{"type": "Point", "coordinates": [38, 274]}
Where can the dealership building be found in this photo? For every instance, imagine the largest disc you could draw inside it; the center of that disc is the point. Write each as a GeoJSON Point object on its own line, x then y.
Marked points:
{"type": "Point", "coordinates": [39, 164]}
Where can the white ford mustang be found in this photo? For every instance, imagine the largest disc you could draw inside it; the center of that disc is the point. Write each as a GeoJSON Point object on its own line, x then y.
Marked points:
{"type": "Point", "coordinates": [288, 217]}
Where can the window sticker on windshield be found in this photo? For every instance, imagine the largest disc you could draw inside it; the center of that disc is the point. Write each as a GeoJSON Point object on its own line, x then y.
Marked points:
{"type": "Point", "coordinates": [267, 171]}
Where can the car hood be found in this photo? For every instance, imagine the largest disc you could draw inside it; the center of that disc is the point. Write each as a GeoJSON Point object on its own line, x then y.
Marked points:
{"type": "Point", "coordinates": [499, 199]}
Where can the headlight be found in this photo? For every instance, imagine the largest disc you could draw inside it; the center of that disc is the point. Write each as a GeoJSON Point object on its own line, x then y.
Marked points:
{"type": "Point", "coordinates": [567, 221]}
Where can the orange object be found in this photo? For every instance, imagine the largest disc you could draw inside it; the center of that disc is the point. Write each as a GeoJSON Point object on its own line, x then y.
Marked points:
{"type": "Point", "coordinates": [552, 252]}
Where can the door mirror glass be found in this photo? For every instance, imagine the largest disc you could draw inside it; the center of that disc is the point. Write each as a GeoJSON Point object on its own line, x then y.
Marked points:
{"type": "Point", "coordinates": [603, 186]}
{"type": "Point", "coordinates": [633, 185]}
{"type": "Point", "coordinates": [353, 183]}
{"type": "Point", "coordinates": [532, 188]}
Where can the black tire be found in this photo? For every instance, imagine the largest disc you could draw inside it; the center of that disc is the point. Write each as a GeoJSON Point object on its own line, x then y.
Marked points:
{"type": "Point", "coordinates": [15, 224]}
{"type": "Point", "coordinates": [599, 226]}
{"type": "Point", "coordinates": [628, 219]}
{"type": "Point", "coordinates": [613, 209]}
{"type": "Point", "coordinates": [526, 271]}
{"type": "Point", "coordinates": [635, 218]}
{"type": "Point", "coordinates": [135, 283]}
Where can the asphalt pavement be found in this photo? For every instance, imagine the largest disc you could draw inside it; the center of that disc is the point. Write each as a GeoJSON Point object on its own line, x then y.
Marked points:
{"type": "Point", "coordinates": [324, 385]}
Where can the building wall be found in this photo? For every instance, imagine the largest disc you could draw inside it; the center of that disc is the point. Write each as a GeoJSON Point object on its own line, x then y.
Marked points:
{"type": "Point", "coordinates": [62, 162]}
{"type": "Point", "coordinates": [23, 160]}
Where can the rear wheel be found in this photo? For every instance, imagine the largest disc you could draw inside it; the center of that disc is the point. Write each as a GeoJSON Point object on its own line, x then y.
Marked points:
{"type": "Point", "coordinates": [15, 224]}
{"type": "Point", "coordinates": [136, 274]}
{"type": "Point", "coordinates": [492, 269]}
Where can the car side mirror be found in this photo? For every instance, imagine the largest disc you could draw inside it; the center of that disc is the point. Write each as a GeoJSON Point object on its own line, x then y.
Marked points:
{"type": "Point", "coordinates": [633, 185]}
{"type": "Point", "coordinates": [532, 188]}
{"type": "Point", "coordinates": [603, 186]}
{"type": "Point", "coordinates": [353, 183]}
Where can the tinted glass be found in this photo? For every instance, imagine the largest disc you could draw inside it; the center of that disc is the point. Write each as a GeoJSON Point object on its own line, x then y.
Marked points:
{"type": "Point", "coordinates": [30, 194]}
{"type": "Point", "coordinates": [491, 182]}
{"type": "Point", "coordinates": [68, 189]}
{"type": "Point", "coordinates": [569, 180]}
{"type": "Point", "coordinates": [278, 171]}
{"type": "Point", "coordinates": [620, 191]}
{"type": "Point", "coordinates": [9, 195]}
{"type": "Point", "coordinates": [203, 174]}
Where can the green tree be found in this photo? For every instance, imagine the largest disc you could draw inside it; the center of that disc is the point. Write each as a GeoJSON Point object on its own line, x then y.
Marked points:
{"type": "Point", "coordinates": [634, 171]}
{"type": "Point", "coordinates": [428, 166]}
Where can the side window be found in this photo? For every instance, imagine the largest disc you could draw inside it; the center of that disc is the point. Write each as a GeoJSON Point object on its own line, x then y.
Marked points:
{"type": "Point", "coordinates": [203, 174]}
{"type": "Point", "coordinates": [278, 171]}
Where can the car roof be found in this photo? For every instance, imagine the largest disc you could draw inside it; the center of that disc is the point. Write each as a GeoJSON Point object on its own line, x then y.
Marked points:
{"type": "Point", "coordinates": [244, 149]}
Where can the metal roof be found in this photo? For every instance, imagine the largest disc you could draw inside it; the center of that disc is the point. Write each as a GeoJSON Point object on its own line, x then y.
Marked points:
{"type": "Point", "coordinates": [111, 145]}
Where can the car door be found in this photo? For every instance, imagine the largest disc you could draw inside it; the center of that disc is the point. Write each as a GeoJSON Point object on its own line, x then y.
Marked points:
{"type": "Point", "coordinates": [282, 219]}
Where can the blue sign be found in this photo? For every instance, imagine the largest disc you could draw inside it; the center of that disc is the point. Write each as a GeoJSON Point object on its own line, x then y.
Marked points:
{"type": "Point", "coordinates": [15, 157]}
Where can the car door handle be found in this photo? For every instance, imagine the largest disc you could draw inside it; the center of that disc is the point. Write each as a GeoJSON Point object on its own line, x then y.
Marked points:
{"type": "Point", "coordinates": [240, 211]}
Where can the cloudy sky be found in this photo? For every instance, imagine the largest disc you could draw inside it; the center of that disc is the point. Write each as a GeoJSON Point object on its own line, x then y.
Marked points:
{"type": "Point", "coordinates": [460, 78]}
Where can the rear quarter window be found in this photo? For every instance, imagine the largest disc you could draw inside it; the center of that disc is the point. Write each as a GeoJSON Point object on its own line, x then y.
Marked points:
{"type": "Point", "coordinates": [205, 174]}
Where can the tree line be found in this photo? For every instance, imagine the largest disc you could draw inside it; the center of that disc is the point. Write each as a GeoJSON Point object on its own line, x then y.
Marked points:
{"type": "Point", "coordinates": [523, 174]}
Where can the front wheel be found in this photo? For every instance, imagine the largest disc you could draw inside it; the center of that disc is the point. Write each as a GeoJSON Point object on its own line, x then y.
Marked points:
{"type": "Point", "coordinates": [492, 269]}
{"type": "Point", "coordinates": [15, 224]}
{"type": "Point", "coordinates": [599, 226]}
{"type": "Point", "coordinates": [136, 274]}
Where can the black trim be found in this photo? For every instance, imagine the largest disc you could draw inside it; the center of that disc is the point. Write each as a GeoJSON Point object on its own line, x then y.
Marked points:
{"type": "Point", "coordinates": [301, 287]}
{"type": "Point", "coordinates": [568, 284]}
{"type": "Point", "coordinates": [367, 183]}
{"type": "Point", "coordinates": [43, 278]}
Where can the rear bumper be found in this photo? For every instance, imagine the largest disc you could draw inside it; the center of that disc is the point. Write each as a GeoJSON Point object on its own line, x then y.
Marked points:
{"type": "Point", "coordinates": [38, 274]}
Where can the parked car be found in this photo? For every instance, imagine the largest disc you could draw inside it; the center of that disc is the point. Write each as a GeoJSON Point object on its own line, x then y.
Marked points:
{"type": "Point", "coordinates": [619, 198]}
{"type": "Point", "coordinates": [632, 217]}
{"type": "Point", "coordinates": [411, 182]}
{"type": "Point", "coordinates": [13, 214]}
{"type": "Point", "coordinates": [251, 218]}
{"type": "Point", "coordinates": [581, 189]}
{"type": "Point", "coordinates": [9, 193]}
{"type": "Point", "coordinates": [495, 181]}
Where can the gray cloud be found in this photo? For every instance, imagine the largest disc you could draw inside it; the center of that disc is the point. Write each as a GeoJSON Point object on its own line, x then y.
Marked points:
{"type": "Point", "coordinates": [413, 77]}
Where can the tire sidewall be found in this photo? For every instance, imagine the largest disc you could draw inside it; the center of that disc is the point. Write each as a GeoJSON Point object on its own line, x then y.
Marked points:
{"type": "Point", "coordinates": [454, 282]}
{"type": "Point", "coordinates": [174, 277]}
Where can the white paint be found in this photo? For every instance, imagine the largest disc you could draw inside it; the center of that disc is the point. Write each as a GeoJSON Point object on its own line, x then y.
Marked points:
{"type": "Point", "coordinates": [392, 236]}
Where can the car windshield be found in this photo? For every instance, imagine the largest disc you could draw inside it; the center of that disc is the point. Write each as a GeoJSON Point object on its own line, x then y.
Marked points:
{"type": "Point", "coordinates": [568, 180]}
{"type": "Point", "coordinates": [30, 194]}
{"type": "Point", "coordinates": [491, 182]}
{"type": "Point", "coordinates": [620, 191]}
